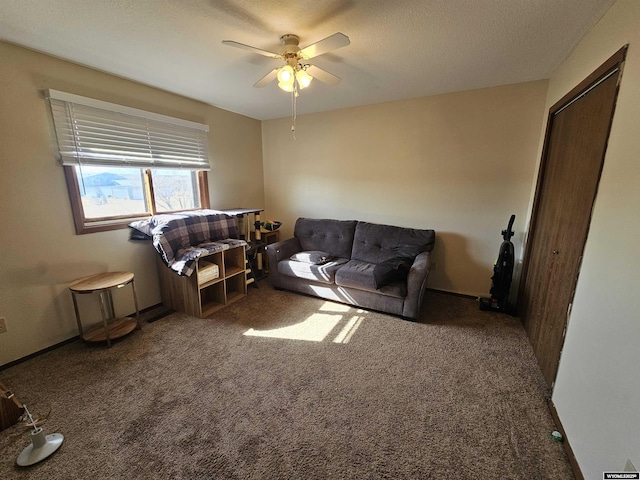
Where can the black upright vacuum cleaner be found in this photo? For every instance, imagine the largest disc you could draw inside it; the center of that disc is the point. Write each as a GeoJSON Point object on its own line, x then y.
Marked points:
{"type": "Point", "coordinates": [502, 275]}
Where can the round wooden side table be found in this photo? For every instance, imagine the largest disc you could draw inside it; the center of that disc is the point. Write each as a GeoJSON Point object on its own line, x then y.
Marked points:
{"type": "Point", "coordinates": [103, 284]}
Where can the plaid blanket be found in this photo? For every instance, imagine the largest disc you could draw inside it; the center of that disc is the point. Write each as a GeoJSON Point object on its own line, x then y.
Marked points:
{"type": "Point", "coordinates": [182, 238]}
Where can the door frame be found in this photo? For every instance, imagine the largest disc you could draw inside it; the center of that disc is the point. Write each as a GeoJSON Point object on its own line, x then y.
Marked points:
{"type": "Point", "coordinates": [611, 65]}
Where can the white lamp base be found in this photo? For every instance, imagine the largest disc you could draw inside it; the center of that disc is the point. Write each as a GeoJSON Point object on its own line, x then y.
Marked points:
{"type": "Point", "coordinates": [42, 446]}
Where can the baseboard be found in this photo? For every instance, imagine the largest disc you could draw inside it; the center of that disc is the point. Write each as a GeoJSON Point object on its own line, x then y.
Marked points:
{"type": "Point", "coordinates": [155, 312]}
{"type": "Point", "coordinates": [39, 352]}
{"type": "Point", "coordinates": [149, 312]}
{"type": "Point", "coordinates": [454, 294]}
{"type": "Point", "coordinates": [567, 446]}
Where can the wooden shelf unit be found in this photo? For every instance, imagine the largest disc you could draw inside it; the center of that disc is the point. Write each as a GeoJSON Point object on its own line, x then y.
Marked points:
{"type": "Point", "coordinates": [199, 297]}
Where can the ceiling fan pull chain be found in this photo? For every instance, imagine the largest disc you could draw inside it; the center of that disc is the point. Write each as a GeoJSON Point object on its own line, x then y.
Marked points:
{"type": "Point", "coordinates": [294, 102]}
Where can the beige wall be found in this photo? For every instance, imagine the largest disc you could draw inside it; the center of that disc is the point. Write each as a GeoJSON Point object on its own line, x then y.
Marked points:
{"type": "Point", "coordinates": [598, 383]}
{"type": "Point", "coordinates": [459, 163]}
{"type": "Point", "coordinates": [39, 251]}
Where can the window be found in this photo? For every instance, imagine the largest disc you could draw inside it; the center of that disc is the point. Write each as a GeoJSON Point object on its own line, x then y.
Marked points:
{"type": "Point", "coordinates": [123, 164]}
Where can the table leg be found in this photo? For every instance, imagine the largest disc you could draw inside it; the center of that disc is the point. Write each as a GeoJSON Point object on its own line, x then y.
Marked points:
{"type": "Point", "coordinates": [135, 301]}
{"type": "Point", "coordinates": [112, 310]}
{"type": "Point", "coordinates": [104, 316]}
{"type": "Point", "coordinates": [75, 307]}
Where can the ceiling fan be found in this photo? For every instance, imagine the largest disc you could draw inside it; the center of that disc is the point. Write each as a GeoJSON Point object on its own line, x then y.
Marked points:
{"type": "Point", "coordinates": [297, 73]}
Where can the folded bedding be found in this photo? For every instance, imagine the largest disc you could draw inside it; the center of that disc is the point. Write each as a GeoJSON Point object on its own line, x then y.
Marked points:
{"type": "Point", "coordinates": [181, 238]}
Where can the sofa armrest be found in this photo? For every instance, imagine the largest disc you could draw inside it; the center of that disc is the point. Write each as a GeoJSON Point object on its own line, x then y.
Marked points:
{"type": "Point", "coordinates": [283, 250]}
{"type": "Point", "coordinates": [280, 251]}
{"type": "Point", "coordinates": [416, 285]}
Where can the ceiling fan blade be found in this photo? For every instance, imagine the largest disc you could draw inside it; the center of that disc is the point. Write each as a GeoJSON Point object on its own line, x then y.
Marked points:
{"type": "Point", "coordinates": [231, 43]}
{"type": "Point", "coordinates": [323, 75]}
{"type": "Point", "coordinates": [269, 77]}
{"type": "Point", "coordinates": [335, 41]}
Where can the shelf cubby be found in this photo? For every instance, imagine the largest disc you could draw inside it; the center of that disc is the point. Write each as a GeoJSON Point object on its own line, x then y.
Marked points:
{"type": "Point", "coordinates": [201, 294]}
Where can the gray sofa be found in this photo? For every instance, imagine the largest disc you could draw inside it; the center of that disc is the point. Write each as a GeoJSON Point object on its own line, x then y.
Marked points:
{"type": "Point", "coordinates": [378, 267]}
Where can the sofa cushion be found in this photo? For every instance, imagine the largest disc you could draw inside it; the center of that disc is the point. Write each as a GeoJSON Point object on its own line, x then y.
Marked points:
{"type": "Point", "coordinates": [392, 270]}
{"type": "Point", "coordinates": [332, 236]}
{"type": "Point", "coordinates": [314, 256]}
{"type": "Point", "coordinates": [324, 273]}
{"type": "Point", "coordinates": [360, 275]}
{"type": "Point", "coordinates": [374, 243]}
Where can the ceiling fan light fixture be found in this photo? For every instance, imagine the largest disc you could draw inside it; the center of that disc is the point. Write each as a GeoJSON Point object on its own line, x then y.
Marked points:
{"type": "Point", "coordinates": [287, 87]}
{"type": "Point", "coordinates": [285, 75]}
{"type": "Point", "coordinates": [303, 78]}
{"type": "Point", "coordinates": [293, 76]}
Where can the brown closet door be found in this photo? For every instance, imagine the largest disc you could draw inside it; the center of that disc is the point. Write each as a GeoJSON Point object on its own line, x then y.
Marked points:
{"type": "Point", "coordinates": [573, 156]}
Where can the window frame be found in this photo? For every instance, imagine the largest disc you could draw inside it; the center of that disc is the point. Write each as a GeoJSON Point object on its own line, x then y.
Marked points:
{"type": "Point", "coordinates": [103, 224]}
{"type": "Point", "coordinates": [97, 133]}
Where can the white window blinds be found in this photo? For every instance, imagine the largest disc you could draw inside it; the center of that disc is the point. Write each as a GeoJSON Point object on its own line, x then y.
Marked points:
{"type": "Point", "coordinates": [92, 132]}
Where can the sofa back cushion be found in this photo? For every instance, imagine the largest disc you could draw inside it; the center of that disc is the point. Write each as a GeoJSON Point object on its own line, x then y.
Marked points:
{"type": "Point", "coordinates": [332, 236]}
{"type": "Point", "coordinates": [375, 243]}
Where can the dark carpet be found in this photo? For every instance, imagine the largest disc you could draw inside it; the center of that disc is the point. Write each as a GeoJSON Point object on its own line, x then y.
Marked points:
{"type": "Point", "coordinates": [283, 386]}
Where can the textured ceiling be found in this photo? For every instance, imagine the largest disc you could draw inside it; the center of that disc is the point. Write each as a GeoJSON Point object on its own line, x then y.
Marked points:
{"type": "Point", "coordinates": [399, 49]}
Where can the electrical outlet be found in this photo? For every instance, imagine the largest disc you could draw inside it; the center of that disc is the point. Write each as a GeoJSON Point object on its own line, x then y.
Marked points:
{"type": "Point", "coordinates": [3, 325]}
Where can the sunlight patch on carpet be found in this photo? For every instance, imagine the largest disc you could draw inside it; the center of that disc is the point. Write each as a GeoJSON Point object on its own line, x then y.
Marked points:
{"type": "Point", "coordinates": [314, 328]}
{"type": "Point", "coordinates": [318, 327]}
{"type": "Point", "coordinates": [348, 330]}
{"type": "Point", "coordinates": [334, 307]}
